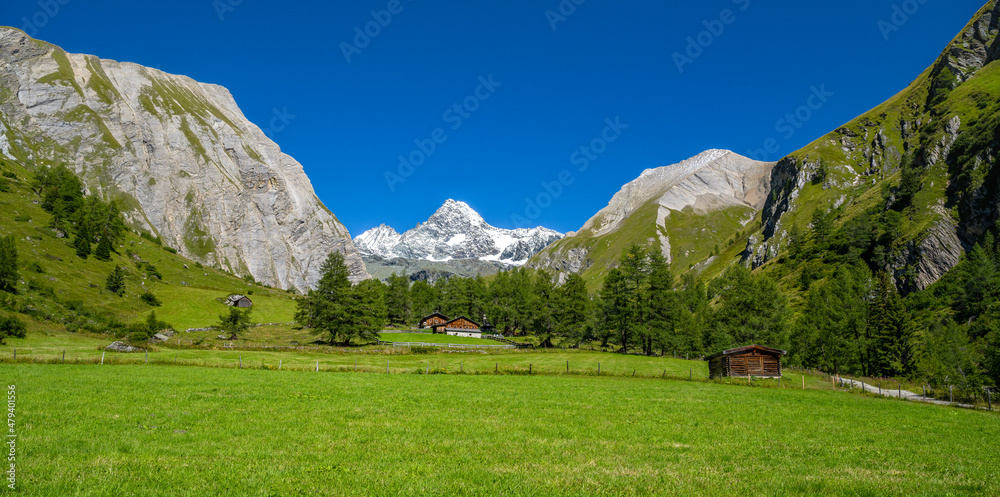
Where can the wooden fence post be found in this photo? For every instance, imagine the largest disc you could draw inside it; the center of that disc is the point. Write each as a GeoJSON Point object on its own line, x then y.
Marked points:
{"type": "Point", "coordinates": [241, 361]}
{"type": "Point", "coordinates": [387, 366]}
{"type": "Point", "coordinates": [496, 367]}
{"type": "Point", "coordinates": [64, 357]}
{"type": "Point", "coordinates": [279, 364]}
{"type": "Point", "coordinates": [989, 399]}
{"type": "Point", "coordinates": [355, 364]}
{"type": "Point", "coordinates": [803, 382]}
{"type": "Point", "coordinates": [147, 356]}
{"type": "Point", "coordinates": [102, 357]}
{"type": "Point", "coordinates": [567, 366]}
{"type": "Point", "coordinates": [598, 368]}
{"type": "Point", "coordinates": [317, 366]}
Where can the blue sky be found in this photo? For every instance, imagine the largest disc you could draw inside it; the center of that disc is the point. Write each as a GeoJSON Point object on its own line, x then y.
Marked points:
{"type": "Point", "coordinates": [534, 81]}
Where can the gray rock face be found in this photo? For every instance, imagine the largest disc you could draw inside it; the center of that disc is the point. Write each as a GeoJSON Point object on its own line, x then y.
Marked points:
{"type": "Point", "coordinates": [179, 157]}
{"type": "Point", "coordinates": [711, 181]}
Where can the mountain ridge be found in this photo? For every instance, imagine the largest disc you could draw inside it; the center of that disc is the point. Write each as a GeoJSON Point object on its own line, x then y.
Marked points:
{"type": "Point", "coordinates": [456, 232]}
{"type": "Point", "coordinates": [179, 157]}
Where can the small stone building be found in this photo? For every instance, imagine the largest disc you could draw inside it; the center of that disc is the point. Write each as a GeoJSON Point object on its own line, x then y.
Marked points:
{"type": "Point", "coordinates": [239, 301]}
{"type": "Point", "coordinates": [752, 360]}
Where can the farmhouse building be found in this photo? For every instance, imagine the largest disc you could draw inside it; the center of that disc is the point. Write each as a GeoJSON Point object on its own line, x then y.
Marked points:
{"type": "Point", "coordinates": [463, 327]}
{"type": "Point", "coordinates": [752, 360]}
{"type": "Point", "coordinates": [239, 301]}
{"type": "Point", "coordinates": [433, 320]}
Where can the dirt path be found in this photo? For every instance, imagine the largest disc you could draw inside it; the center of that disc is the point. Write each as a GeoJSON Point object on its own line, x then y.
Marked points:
{"type": "Point", "coordinates": [897, 393]}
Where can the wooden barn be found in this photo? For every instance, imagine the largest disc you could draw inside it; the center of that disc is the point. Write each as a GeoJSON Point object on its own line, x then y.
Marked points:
{"type": "Point", "coordinates": [463, 327]}
{"type": "Point", "coordinates": [432, 321]}
{"type": "Point", "coordinates": [752, 360]}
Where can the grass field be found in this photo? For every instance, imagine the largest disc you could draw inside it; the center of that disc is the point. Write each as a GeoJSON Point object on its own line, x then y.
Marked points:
{"type": "Point", "coordinates": [160, 430]}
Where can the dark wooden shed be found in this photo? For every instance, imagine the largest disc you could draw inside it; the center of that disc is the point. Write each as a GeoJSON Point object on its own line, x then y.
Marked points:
{"type": "Point", "coordinates": [752, 360]}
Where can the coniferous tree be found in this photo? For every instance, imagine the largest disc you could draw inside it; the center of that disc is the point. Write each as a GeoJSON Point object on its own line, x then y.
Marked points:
{"type": "Point", "coordinates": [116, 281]}
{"type": "Point", "coordinates": [398, 300]}
{"type": "Point", "coordinates": [82, 242]}
{"type": "Point", "coordinates": [9, 274]}
{"type": "Point", "coordinates": [340, 311]}
{"type": "Point", "coordinates": [573, 313]}
{"type": "Point", "coordinates": [891, 329]}
{"type": "Point", "coordinates": [542, 309]}
{"type": "Point", "coordinates": [236, 322]}
{"type": "Point", "coordinates": [103, 251]}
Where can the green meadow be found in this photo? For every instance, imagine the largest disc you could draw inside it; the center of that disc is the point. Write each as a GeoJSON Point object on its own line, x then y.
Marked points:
{"type": "Point", "coordinates": [162, 430]}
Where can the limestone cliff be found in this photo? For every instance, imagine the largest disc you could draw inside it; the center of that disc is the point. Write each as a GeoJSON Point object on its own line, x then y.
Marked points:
{"type": "Point", "coordinates": [177, 155]}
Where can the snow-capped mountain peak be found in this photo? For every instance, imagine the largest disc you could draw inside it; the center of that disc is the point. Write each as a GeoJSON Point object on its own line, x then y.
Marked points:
{"type": "Point", "coordinates": [456, 231]}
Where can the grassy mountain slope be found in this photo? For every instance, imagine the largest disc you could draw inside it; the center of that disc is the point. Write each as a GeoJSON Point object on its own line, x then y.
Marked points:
{"type": "Point", "coordinates": [59, 288]}
{"type": "Point", "coordinates": [926, 154]}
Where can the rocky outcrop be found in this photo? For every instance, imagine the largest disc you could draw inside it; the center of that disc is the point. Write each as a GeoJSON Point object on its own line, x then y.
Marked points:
{"type": "Point", "coordinates": [178, 156]}
{"type": "Point", "coordinates": [712, 181]}
{"type": "Point", "coordinates": [456, 232]}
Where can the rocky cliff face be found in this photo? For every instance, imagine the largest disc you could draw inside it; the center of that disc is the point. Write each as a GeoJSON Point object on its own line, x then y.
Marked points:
{"type": "Point", "coordinates": [682, 210]}
{"type": "Point", "coordinates": [456, 232]}
{"type": "Point", "coordinates": [177, 155]}
{"type": "Point", "coordinates": [923, 124]}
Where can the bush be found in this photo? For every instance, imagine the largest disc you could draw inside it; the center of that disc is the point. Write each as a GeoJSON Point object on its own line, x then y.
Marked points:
{"type": "Point", "coordinates": [170, 249]}
{"type": "Point", "coordinates": [21, 218]}
{"type": "Point", "coordinates": [150, 299]}
{"type": "Point", "coordinates": [423, 349]}
{"type": "Point", "coordinates": [10, 174]}
{"type": "Point", "coordinates": [35, 268]}
{"type": "Point", "coordinates": [150, 237]}
{"type": "Point", "coordinates": [12, 327]}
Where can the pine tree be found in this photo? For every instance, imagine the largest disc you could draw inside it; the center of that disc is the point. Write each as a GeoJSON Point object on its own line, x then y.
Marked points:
{"type": "Point", "coordinates": [9, 274]}
{"type": "Point", "coordinates": [342, 312]}
{"type": "Point", "coordinates": [664, 309]}
{"type": "Point", "coordinates": [891, 330]}
{"type": "Point", "coordinates": [103, 251]}
{"type": "Point", "coordinates": [573, 310]}
{"type": "Point", "coordinates": [234, 323]}
{"type": "Point", "coordinates": [116, 281]}
{"type": "Point", "coordinates": [398, 300]}
{"type": "Point", "coordinates": [82, 242]}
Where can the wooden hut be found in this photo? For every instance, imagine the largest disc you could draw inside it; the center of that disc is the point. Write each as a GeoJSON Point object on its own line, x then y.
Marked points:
{"type": "Point", "coordinates": [463, 327]}
{"type": "Point", "coordinates": [752, 360]}
{"type": "Point", "coordinates": [432, 321]}
{"type": "Point", "coordinates": [239, 301]}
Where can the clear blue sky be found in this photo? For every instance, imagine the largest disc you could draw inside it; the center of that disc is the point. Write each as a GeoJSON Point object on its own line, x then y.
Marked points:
{"type": "Point", "coordinates": [606, 60]}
